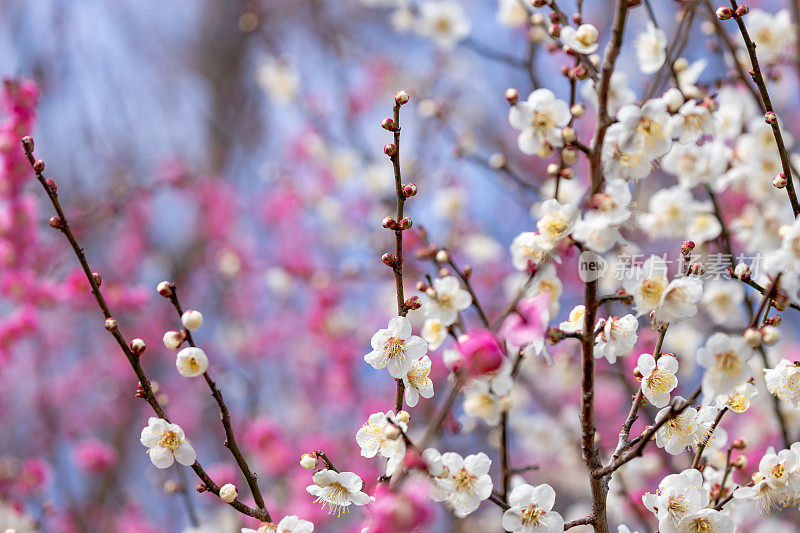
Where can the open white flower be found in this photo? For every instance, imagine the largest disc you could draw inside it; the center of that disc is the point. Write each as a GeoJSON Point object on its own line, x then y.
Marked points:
{"type": "Point", "coordinates": [449, 300]}
{"type": "Point", "coordinates": [338, 490]}
{"type": "Point", "coordinates": [531, 510]}
{"type": "Point", "coordinates": [697, 165]}
{"type": "Point", "coordinates": [371, 436]}
{"type": "Point", "coordinates": [395, 348]}
{"type": "Point", "coordinates": [576, 320]}
{"type": "Point", "coordinates": [468, 482]}
{"type": "Point", "coordinates": [529, 248]}
{"type": "Point", "coordinates": [556, 220]}
{"type": "Point", "coordinates": [658, 377]}
{"type": "Point", "coordinates": [706, 520]}
{"type": "Point", "coordinates": [723, 300]}
{"type": "Point", "coordinates": [511, 13]}
{"type": "Point", "coordinates": [166, 443]}
{"type": "Point", "coordinates": [539, 119]}
{"type": "Point", "coordinates": [418, 381]}
{"type": "Point", "coordinates": [649, 126]}
{"type": "Point", "coordinates": [481, 402]}
{"type": "Point", "coordinates": [617, 338]}
{"type": "Point", "coordinates": [434, 333]}
{"type": "Point", "coordinates": [692, 121]}
{"type": "Point", "coordinates": [739, 399]}
{"type": "Point", "coordinates": [772, 34]}
{"type": "Point", "coordinates": [725, 358]}
{"type": "Point", "coordinates": [784, 381]}
{"type": "Point", "coordinates": [714, 437]}
{"type": "Point", "coordinates": [670, 301]}
{"type": "Point", "coordinates": [191, 362]}
{"type": "Point", "coordinates": [294, 524]}
{"type": "Point", "coordinates": [445, 22]}
{"type": "Point", "coordinates": [583, 39]}
{"type": "Point", "coordinates": [678, 496]}
{"type": "Point", "coordinates": [651, 49]}
{"type": "Point", "coordinates": [623, 158]}
{"type": "Point", "coordinates": [670, 212]}
{"type": "Point", "coordinates": [679, 432]}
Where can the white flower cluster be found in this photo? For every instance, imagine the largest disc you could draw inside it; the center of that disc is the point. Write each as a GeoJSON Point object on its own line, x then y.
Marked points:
{"type": "Point", "coordinates": [683, 504]}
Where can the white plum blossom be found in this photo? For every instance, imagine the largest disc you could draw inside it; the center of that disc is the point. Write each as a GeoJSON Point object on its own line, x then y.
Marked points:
{"type": "Point", "coordinates": [582, 39]}
{"type": "Point", "coordinates": [338, 491]}
{"type": "Point", "coordinates": [529, 248]}
{"type": "Point", "coordinates": [658, 377]}
{"type": "Point", "coordinates": [648, 127]}
{"type": "Point", "coordinates": [395, 348]}
{"type": "Point", "coordinates": [418, 381]}
{"type": "Point", "coordinates": [651, 49]}
{"type": "Point", "coordinates": [697, 165]}
{"type": "Point", "coordinates": [576, 320]}
{"type": "Point", "coordinates": [784, 381]}
{"type": "Point", "coordinates": [706, 520]}
{"type": "Point", "coordinates": [511, 13]}
{"type": "Point", "coordinates": [705, 227]}
{"type": "Point", "coordinates": [692, 121]}
{"type": "Point", "coordinates": [777, 482]}
{"type": "Point", "coordinates": [191, 362]}
{"type": "Point", "coordinates": [723, 301]}
{"type": "Point", "coordinates": [192, 319]}
{"type": "Point", "coordinates": [444, 22]}
{"type": "Point", "coordinates": [556, 221]}
{"type": "Point", "coordinates": [679, 495]}
{"type": "Point", "coordinates": [448, 300]}
{"type": "Point", "coordinates": [725, 359]}
{"type": "Point", "coordinates": [739, 398]}
{"type": "Point", "coordinates": [669, 300]}
{"type": "Point", "coordinates": [531, 510]}
{"type": "Point", "coordinates": [624, 158]}
{"type": "Point", "coordinates": [166, 443]}
{"type": "Point", "coordinates": [670, 212]}
{"type": "Point", "coordinates": [279, 79]}
{"type": "Point", "coordinates": [539, 119]}
{"type": "Point", "coordinates": [617, 338]}
{"type": "Point", "coordinates": [707, 433]}
{"type": "Point", "coordinates": [434, 333]}
{"type": "Point", "coordinates": [481, 402]}
{"type": "Point", "coordinates": [371, 436]}
{"type": "Point", "coordinates": [679, 432]}
{"type": "Point", "coordinates": [288, 524]}
{"type": "Point", "coordinates": [467, 483]}
{"type": "Point", "coordinates": [771, 33]}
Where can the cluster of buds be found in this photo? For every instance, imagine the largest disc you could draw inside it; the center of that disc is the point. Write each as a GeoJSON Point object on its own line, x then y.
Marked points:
{"type": "Point", "coordinates": [412, 303]}
{"type": "Point", "coordinates": [724, 12]}
{"type": "Point", "coordinates": [392, 224]}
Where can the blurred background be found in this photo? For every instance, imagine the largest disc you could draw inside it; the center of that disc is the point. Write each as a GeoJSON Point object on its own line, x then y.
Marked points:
{"type": "Point", "coordinates": [235, 148]}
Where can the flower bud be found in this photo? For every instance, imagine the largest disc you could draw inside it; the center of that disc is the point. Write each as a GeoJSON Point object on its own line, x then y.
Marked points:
{"type": "Point", "coordinates": [742, 11]}
{"type": "Point", "coordinates": [403, 417]}
{"type": "Point", "coordinates": [51, 184]}
{"type": "Point", "coordinates": [309, 461]}
{"type": "Point", "coordinates": [401, 98]}
{"type": "Point", "coordinates": [512, 96]}
{"type": "Point", "coordinates": [192, 319]}
{"type": "Point", "coordinates": [568, 134]}
{"type": "Point", "coordinates": [770, 118]}
{"type": "Point", "coordinates": [412, 303]}
{"type": "Point", "coordinates": [173, 339]}
{"type": "Point", "coordinates": [753, 337]}
{"type": "Point", "coordinates": [566, 173]}
{"type": "Point", "coordinates": [138, 346]}
{"type": "Point", "coordinates": [409, 190]}
{"type": "Point", "coordinates": [724, 12]}
{"type": "Point", "coordinates": [55, 222]}
{"type": "Point", "coordinates": [740, 462]}
{"type": "Point", "coordinates": [98, 279]}
{"type": "Point", "coordinates": [389, 223]}
{"type": "Point", "coordinates": [739, 444]}
{"type": "Point", "coordinates": [28, 142]}
{"type": "Point", "coordinates": [405, 223]}
{"type": "Point", "coordinates": [442, 256]}
{"type": "Point", "coordinates": [390, 149]}
{"type": "Point", "coordinates": [687, 247]}
{"type": "Point", "coordinates": [779, 181]}
{"type": "Point", "coordinates": [545, 151]}
{"type": "Point", "coordinates": [674, 99]}
{"type": "Point", "coordinates": [554, 30]}
{"type": "Point", "coordinates": [697, 269]}
{"type": "Point", "coordinates": [553, 168]}
{"type": "Point", "coordinates": [391, 432]}
{"type": "Point", "coordinates": [388, 259]}
{"type": "Point", "coordinates": [742, 271]}
{"type": "Point", "coordinates": [227, 493]}
{"type": "Point", "coordinates": [577, 110]}
{"type": "Point", "coordinates": [770, 334]}
{"type": "Point", "coordinates": [38, 166]}
{"type": "Point", "coordinates": [164, 289]}
{"type": "Point", "coordinates": [497, 161]}
{"type": "Point", "coordinates": [111, 324]}
{"type": "Point", "coordinates": [388, 124]}
{"type": "Point", "coordinates": [481, 351]}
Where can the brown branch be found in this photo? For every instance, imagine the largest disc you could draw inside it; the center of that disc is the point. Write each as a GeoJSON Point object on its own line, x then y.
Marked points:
{"type": "Point", "coordinates": [146, 391]}
{"type": "Point", "coordinates": [758, 78]}
{"type": "Point", "coordinates": [225, 417]}
{"type": "Point", "coordinates": [699, 453]}
{"type": "Point", "coordinates": [579, 522]}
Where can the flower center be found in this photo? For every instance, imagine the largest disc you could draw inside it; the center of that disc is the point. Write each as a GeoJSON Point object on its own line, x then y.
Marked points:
{"type": "Point", "coordinates": [738, 403]}
{"type": "Point", "coordinates": [553, 227]}
{"type": "Point", "coordinates": [542, 122]}
{"type": "Point", "coordinates": [395, 349]}
{"type": "Point", "coordinates": [336, 497]}
{"type": "Point", "coordinates": [702, 525]}
{"type": "Point", "coordinates": [660, 380]}
{"type": "Point", "coordinates": [170, 440]}
{"type": "Point", "coordinates": [650, 129]}
{"type": "Point", "coordinates": [727, 362]}
{"type": "Point", "coordinates": [652, 288]}
{"type": "Point", "coordinates": [677, 507]}
{"type": "Point", "coordinates": [465, 481]}
{"type": "Point", "coordinates": [532, 515]}
{"type": "Point", "coordinates": [778, 470]}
